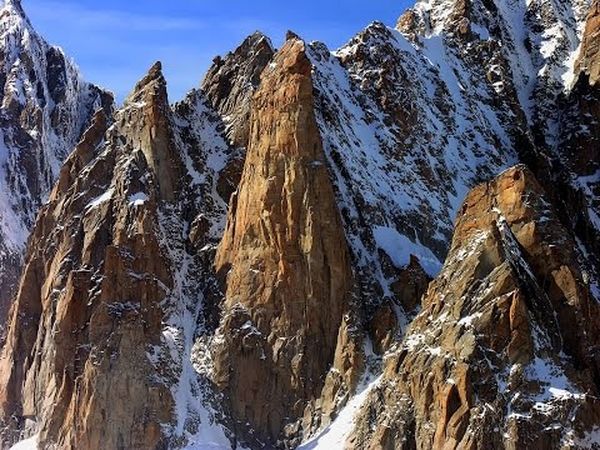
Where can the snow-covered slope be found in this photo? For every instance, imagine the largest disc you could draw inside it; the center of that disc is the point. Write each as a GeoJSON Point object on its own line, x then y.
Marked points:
{"type": "Point", "coordinates": [413, 118]}
{"type": "Point", "coordinates": [536, 41]}
{"type": "Point", "coordinates": [45, 106]}
{"type": "Point", "coordinates": [406, 140]}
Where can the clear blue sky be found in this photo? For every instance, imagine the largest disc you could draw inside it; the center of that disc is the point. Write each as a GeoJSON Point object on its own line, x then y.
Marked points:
{"type": "Point", "coordinates": [115, 41]}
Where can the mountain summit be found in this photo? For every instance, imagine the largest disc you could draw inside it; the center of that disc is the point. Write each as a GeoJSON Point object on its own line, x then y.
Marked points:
{"type": "Point", "coordinates": [44, 110]}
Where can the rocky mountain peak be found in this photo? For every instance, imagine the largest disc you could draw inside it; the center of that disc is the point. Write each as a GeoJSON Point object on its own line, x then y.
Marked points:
{"type": "Point", "coordinates": [45, 107]}
{"type": "Point", "coordinates": [284, 261]}
{"type": "Point", "coordinates": [290, 35]}
{"type": "Point", "coordinates": [151, 88]}
{"type": "Point", "coordinates": [262, 263]}
{"type": "Point", "coordinates": [257, 41]}
{"type": "Point", "coordinates": [13, 7]}
{"type": "Point", "coordinates": [16, 29]}
{"type": "Point", "coordinates": [146, 120]}
{"type": "Point", "coordinates": [126, 211]}
{"type": "Point", "coordinates": [231, 81]}
{"type": "Point", "coordinates": [505, 323]}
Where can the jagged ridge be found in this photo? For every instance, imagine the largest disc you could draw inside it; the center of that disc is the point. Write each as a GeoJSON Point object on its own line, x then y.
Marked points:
{"type": "Point", "coordinates": [357, 163]}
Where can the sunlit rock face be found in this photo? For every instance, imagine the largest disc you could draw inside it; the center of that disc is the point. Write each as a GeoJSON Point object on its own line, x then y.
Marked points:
{"type": "Point", "coordinates": [504, 345]}
{"type": "Point", "coordinates": [391, 245]}
{"type": "Point", "coordinates": [284, 258]}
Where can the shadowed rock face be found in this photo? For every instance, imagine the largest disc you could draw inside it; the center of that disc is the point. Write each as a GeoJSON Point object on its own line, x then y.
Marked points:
{"type": "Point", "coordinates": [229, 86]}
{"type": "Point", "coordinates": [231, 81]}
{"type": "Point", "coordinates": [284, 261]}
{"type": "Point", "coordinates": [504, 345]}
{"type": "Point", "coordinates": [45, 106]}
{"type": "Point", "coordinates": [580, 144]}
{"type": "Point", "coordinates": [149, 119]}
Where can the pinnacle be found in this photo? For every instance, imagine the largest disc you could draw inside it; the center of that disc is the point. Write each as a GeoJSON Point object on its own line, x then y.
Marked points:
{"type": "Point", "coordinates": [253, 42]}
{"type": "Point", "coordinates": [256, 36]}
{"type": "Point", "coordinates": [156, 69]}
{"type": "Point", "coordinates": [14, 5]}
{"type": "Point", "coordinates": [153, 80]}
{"type": "Point", "coordinates": [14, 8]}
{"type": "Point", "coordinates": [154, 74]}
{"type": "Point", "coordinates": [291, 35]}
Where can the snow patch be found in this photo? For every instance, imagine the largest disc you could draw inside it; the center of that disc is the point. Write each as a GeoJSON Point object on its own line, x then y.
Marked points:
{"type": "Point", "coordinates": [106, 196]}
{"type": "Point", "coordinates": [555, 384]}
{"type": "Point", "coordinates": [138, 199]}
{"type": "Point", "coordinates": [336, 434]}
{"type": "Point", "coordinates": [27, 444]}
{"type": "Point", "coordinates": [399, 248]}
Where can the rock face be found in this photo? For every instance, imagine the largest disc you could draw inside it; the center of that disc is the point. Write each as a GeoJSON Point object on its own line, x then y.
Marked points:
{"type": "Point", "coordinates": [45, 107]}
{"type": "Point", "coordinates": [579, 156]}
{"type": "Point", "coordinates": [505, 344]}
{"type": "Point", "coordinates": [229, 86]}
{"type": "Point", "coordinates": [104, 310]}
{"type": "Point", "coordinates": [231, 81]}
{"type": "Point", "coordinates": [284, 259]}
{"type": "Point", "coordinates": [154, 135]}
{"type": "Point", "coordinates": [251, 266]}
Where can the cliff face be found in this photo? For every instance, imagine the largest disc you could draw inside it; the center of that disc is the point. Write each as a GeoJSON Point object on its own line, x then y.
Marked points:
{"type": "Point", "coordinates": [231, 81]}
{"type": "Point", "coordinates": [103, 311]}
{"type": "Point", "coordinates": [229, 86]}
{"type": "Point", "coordinates": [80, 297]}
{"type": "Point", "coordinates": [579, 149]}
{"type": "Point", "coordinates": [252, 266]}
{"type": "Point", "coordinates": [284, 259]}
{"type": "Point", "coordinates": [504, 345]}
{"type": "Point", "coordinates": [45, 106]}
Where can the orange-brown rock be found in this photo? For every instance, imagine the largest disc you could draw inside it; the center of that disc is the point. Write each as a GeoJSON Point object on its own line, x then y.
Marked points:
{"type": "Point", "coordinates": [505, 344]}
{"type": "Point", "coordinates": [588, 61]}
{"type": "Point", "coordinates": [458, 13]}
{"type": "Point", "coordinates": [75, 368]}
{"type": "Point", "coordinates": [383, 327]}
{"type": "Point", "coordinates": [349, 366]}
{"type": "Point", "coordinates": [284, 260]}
{"type": "Point", "coordinates": [408, 24]}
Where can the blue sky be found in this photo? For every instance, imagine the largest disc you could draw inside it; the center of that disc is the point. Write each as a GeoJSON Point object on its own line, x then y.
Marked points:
{"type": "Point", "coordinates": [115, 41]}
